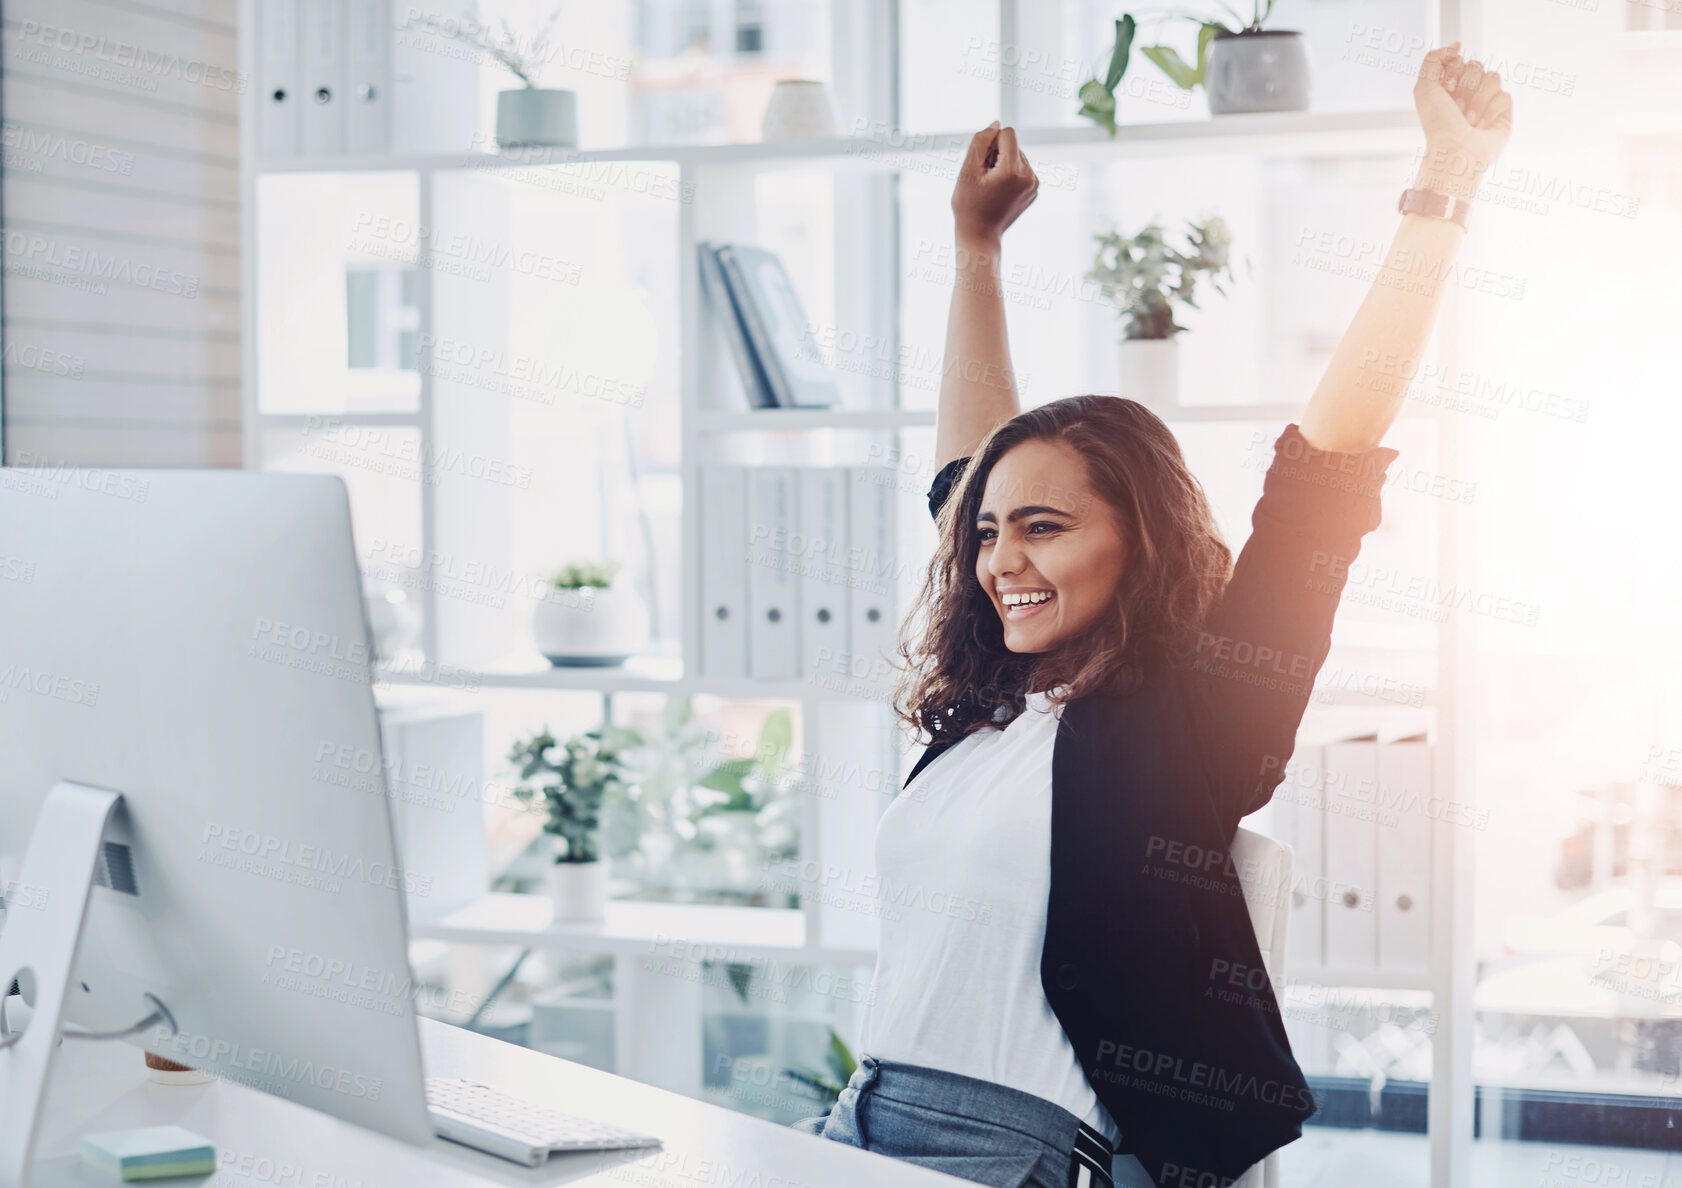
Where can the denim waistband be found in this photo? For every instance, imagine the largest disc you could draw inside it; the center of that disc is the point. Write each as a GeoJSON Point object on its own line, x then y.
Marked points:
{"type": "Point", "coordinates": [1002, 1105]}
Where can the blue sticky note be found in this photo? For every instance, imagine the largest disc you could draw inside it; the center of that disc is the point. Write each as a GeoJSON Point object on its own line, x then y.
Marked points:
{"type": "Point", "coordinates": [149, 1153]}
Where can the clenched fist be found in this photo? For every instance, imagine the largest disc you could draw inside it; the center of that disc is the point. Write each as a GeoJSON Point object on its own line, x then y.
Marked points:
{"type": "Point", "coordinates": [995, 184]}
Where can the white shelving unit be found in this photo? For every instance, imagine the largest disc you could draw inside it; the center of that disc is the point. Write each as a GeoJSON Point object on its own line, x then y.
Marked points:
{"type": "Point", "coordinates": [657, 1033]}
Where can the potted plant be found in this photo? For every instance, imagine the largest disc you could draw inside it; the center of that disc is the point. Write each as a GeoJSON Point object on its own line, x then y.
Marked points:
{"type": "Point", "coordinates": [574, 781]}
{"type": "Point", "coordinates": [1144, 277]}
{"type": "Point", "coordinates": [528, 114]}
{"type": "Point", "coordinates": [745, 819]}
{"type": "Point", "coordinates": [828, 1084]}
{"type": "Point", "coordinates": [583, 619]}
{"type": "Point", "coordinates": [1241, 65]}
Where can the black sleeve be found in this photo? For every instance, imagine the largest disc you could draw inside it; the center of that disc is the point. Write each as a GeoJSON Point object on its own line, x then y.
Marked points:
{"type": "Point", "coordinates": [1265, 642]}
{"type": "Point", "coordinates": [943, 484]}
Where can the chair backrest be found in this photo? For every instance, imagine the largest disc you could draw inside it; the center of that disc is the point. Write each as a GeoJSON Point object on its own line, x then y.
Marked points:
{"type": "Point", "coordinates": [1264, 872]}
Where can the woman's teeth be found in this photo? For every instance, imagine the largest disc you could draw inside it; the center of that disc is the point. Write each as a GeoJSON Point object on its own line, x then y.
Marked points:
{"type": "Point", "coordinates": [1021, 605]}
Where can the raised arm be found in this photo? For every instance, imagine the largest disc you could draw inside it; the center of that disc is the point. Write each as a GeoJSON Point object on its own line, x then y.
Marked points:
{"type": "Point", "coordinates": [1263, 646]}
{"type": "Point", "coordinates": [1467, 118]}
{"type": "Point", "coordinates": [977, 385]}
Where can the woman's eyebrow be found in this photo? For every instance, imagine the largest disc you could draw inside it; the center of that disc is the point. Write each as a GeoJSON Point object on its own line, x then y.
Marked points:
{"type": "Point", "coordinates": [1034, 509]}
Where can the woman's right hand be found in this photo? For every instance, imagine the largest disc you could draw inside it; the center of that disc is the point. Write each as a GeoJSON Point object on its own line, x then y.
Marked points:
{"type": "Point", "coordinates": [995, 184]}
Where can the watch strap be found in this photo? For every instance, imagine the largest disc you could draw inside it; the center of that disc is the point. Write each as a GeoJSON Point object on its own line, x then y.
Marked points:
{"type": "Point", "coordinates": [1439, 206]}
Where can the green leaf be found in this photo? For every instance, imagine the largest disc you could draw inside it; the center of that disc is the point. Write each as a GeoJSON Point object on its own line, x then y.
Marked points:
{"type": "Point", "coordinates": [728, 776]}
{"type": "Point", "coordinates": [841, 1061]}
{"type": "Point", "coordinates": [1204, 36]}
{"type": "Point", "coordinates": [1184, 75]}
{"type": "Point", "coordinates": [1098, 105]}
{"type": "Point", "coordinates": [1124, 30]}
{"type": "Point", "coordinates": [776, 740]}
{"type": "Point", "coordinates": [1168, 60]}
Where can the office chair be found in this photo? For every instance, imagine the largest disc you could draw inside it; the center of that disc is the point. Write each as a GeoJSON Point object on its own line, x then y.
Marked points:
{"type": "Point", "coordinates": [1264, 872]}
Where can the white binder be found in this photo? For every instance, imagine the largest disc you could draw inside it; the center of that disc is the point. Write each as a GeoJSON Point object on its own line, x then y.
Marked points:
{"type": "Point", "coordinates": [367, 99]}
{"type": "Point", "coordinates": [724, 571]}
{"type": "Point", "coordinates": [821, 549]}
{"type": "Point", "coordinates": [1351, 853]}
{"type": "Point", "coordinates": [773, 588]}
{"type": "Point", "coordinates": [1299, 816]}
{"type": "Point", "coordinates": [278, 102]}
{"type": "Point", "coordinates": [1404, 855]}
{"type": "Point", "coordinates": [872, 561]}
{"type": "Point", "coordinates": [323, 71]}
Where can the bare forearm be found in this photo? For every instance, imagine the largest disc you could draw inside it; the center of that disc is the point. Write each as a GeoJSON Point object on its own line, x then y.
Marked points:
{"type": "Point", "coordinates": [977, 385]}
{"type": "Point", "coordinates": [1361, 393]}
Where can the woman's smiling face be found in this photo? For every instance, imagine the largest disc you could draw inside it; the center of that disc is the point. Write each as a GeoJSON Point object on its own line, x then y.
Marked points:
{"type": "Point", "coordinates": [1050, 553]}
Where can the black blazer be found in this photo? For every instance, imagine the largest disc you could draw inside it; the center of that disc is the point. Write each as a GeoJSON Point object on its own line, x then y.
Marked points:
{"type": "Point", "coordinates": [1150, 961]}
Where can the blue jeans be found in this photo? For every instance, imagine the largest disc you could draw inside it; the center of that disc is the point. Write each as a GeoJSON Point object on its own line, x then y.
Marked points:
{"type": "Point", "coordinates": [963, 1126]}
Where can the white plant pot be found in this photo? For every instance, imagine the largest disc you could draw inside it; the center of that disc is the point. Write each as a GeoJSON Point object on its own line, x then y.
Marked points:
{"type": "Point", "coordinates": [537, 116]}
{"type": "Point", "coordinates": [590, 626]}
{"type": "Point", "coordinates": [1265, 71]}
{"type": "Point", "coordinates": [800, 109]}
{"type": "Point", "coordinates": [578, 890]}
{"type": "Point", "coordinates": [1150, 371]}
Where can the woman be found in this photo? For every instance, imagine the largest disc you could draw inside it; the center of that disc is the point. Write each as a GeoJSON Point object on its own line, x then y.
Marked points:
{"type": "Point", "coordinates": [1107, 694]}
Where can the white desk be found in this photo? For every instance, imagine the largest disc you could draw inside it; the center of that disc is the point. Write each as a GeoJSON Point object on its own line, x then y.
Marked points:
{"type": "Point", "coordinates": [264, 1142]}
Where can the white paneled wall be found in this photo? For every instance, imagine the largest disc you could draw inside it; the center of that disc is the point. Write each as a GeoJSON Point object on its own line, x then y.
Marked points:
{"type": "Point", "coordinates": [121, 226]}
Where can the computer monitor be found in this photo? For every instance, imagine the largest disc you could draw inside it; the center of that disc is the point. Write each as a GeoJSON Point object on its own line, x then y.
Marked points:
{"type": "Point", "coordinates": [196, 641]}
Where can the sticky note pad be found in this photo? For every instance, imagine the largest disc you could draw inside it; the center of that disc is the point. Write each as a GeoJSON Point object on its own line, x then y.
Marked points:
{"type": "Point", "coordinates": [149, 1153]}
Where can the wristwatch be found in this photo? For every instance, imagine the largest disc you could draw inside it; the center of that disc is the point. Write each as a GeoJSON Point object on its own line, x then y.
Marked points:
{"type": "Point", "coordinates": [1440, 206]}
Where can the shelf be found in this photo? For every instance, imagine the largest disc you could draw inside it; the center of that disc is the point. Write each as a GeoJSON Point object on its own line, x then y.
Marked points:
{"type": "Point", "coordinates": [675, 931]}
{"type": "Point", "coordinates": [639, 675]}
{"type": "Point", "coordinates": [1261, 133]}
{"type": "Point", "coordinates": [360, 420]}
{"type": "Point", "coordinates": [1357, 979]}
{"type": "Point", "coordinates": [777, 419]}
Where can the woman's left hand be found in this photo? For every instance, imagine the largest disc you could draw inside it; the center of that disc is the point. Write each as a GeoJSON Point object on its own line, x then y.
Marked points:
{"type": "Point", "coordinates": [1466, 116]}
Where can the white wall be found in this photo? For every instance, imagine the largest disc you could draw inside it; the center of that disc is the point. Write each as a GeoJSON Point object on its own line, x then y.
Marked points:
{"type": "Point", "coordinates": [120, 216]}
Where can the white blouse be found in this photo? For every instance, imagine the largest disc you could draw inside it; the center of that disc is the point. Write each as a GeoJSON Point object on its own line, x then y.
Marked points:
{"type": "Point", "coordinates": [963, 875]}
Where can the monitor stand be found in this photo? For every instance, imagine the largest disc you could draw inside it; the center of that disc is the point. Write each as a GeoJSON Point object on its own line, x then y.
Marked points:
{"type": "Point", "coordinates": [38, 947]}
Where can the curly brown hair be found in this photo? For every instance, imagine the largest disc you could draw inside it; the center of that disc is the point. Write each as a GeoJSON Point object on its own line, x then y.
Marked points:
{"type": "Point", "coordinates": [958, 674]}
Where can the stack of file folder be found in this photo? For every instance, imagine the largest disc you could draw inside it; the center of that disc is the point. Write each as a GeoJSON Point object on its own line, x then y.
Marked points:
{"type": "Point", "coordinates": [799, 574]}
{"type": "Point", "coordinates": [755, 307]}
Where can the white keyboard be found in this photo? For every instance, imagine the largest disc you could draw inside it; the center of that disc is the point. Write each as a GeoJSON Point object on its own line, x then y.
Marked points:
{"type": "Point", "coordinates": [478, 1116]}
